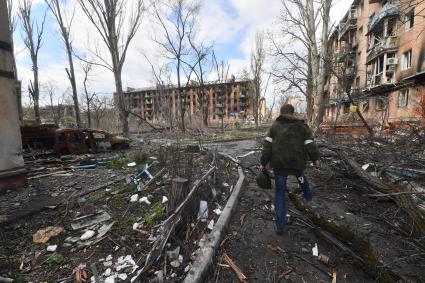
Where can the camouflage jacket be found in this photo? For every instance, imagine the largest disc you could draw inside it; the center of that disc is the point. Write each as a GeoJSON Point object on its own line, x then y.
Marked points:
{"type": "Point", "coordinates": [289, 144]}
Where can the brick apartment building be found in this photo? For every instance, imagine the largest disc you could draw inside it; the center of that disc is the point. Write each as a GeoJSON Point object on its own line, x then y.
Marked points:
{"type": "Point", "coordinates": [379, 59]}
{"type": "Point", "coordinates": [232, 100]}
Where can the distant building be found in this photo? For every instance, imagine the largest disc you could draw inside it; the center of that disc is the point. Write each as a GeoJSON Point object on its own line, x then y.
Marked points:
{"type": "Point", "coordinates": [232, 100]}
{"type": "Point", "coordinates": [379, 59]}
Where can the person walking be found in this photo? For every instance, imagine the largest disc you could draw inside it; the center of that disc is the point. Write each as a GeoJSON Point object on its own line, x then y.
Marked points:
{"type": "Point", "coordinates": [288, 145]}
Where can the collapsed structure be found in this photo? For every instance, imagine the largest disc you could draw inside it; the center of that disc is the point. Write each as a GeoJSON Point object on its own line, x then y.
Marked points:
{"type": "Point", "coordinates": [209, 103]}
{"type": "Point", "coordinates": [12, 170]}
{"type": "Point", "coordinates": [378, 66]}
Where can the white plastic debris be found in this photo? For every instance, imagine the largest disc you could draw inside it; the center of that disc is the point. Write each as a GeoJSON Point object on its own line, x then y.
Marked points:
{"type": "Point", "coordinates": [175, 263]}
{"type": "Point", "coordinates": [87, 235]}
{"type": "Point", "coordinates": [132, 164]}
{"type": "Point", "coordinates": [107, 272]}
{"type": "Point", "coordinates": [52, 248]}
{"type": "Point", "coordinates": [366, 166]}
{"type": "Point", "coordinates": [203, 210]}
{"type": "Point", "coordinates": [107, 264]}
{"type": "Point", "coordinates": [110, 279]}
{"type": "Point", "coordinates": [134, 198]}
{"type": "Point", "coordinates": [145, 200]}
{"type": "Point", "coordinates": [187, 268]}
{"type": "Point", "coordinates": [109, 258]}
{"type": "Point", "coordinates": [122, 276]}
{"type": "Point", "coordinates": [211, 224]}
{"type": "Point", "coordinates": [125, 262]}
{"type": "Point", "coordinates": [136, 226]}
{"type": "Point", "coordinates": [226, 185]}
{"type": "Point", "coordinates": [217, 211]}
{"type": "Point", "coordinates": [315, 250]}
{"type": "Point", "coordinates": [164, 199]}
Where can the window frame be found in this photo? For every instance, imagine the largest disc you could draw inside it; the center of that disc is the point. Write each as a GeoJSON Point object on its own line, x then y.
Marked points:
{"type": "Point", "coordinates": [407, 60]}
{"type": "Point", "coordinates": [409, 20]}
{"type": "Point", "coordinates": [403, 92]}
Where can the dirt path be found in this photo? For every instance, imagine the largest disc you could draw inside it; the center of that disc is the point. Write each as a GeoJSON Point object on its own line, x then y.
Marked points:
{"type": "Point", "coordinates": [264, 256]}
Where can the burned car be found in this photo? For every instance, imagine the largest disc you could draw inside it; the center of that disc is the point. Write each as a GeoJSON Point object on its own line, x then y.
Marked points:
{"type": "Point", "coordinates": [83, 140]}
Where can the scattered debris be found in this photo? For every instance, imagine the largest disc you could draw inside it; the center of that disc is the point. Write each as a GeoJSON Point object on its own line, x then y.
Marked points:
{"type": "Point", "coordinates": [315, 250]}
{"type": "Point", "coordinates": [238, 272]}
{"type": "Point", "coordinates": [134, 198]}
{"type": "Point", "coordinates": [42, 236]}
{"type": "Point", "coordinates": [89, 220]}
{"type": "Point", "coordinates": [211, 225]}
{"type": "Point", "coordinates": [87, 235]}
{"type": "Point", "coordinates": [145, 200]}
{"type": "Point", "coordinates": [52, 248]}
{"type": "Point", "coordinates": [203, 211]}
{"type": "Point", "coordinates": [131, 164]}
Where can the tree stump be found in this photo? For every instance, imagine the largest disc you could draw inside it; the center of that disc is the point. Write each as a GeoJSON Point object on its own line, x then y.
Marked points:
{"type": "Point", "coordinates": [179, 191]}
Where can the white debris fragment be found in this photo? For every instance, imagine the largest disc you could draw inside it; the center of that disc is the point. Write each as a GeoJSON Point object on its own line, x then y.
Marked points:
{"type": "Point", "coordinates": [366, 166]}
{"type": "Point", "coordinates": [203, 210]}
{"type": "Point", "coordinates": [110, 279]}
{"type": "Point", "coordinates": [107, 263]}
{"type": "Point", "coordinates": [109, 258]}
{"type": "Point", "coordinates": [217, 211]}
{"type": "Point", "coordinates": [226, 185]}
{"type": "Point", "coordinates": [315, 250]}
{"type": "Point", "coordinates": [136, 226]}
{"type": "Point", "coordinates": [175, 263]}
{"type": "Point", "coordinates": [87, 235]}
{"type": "Point", "coordinates": [132, 164]}
{"type": "Point", "coordinates": [107, 272]}
{"type": "Point", "coordinates": [187, 268]}
{"type": "Point", "coordinates": [122, 276]}
{"type": "Point", "coordinates": [134, 198]}
{"type": "Point", "coordinates": [211, 224]}
{"type": "Point", "coordinates": [164, 199]}
{"type": "Point", "coordinates": [52, 248]}
{"type": "Point", "coordinates": [124, 262]}
{"type": "Point", "coordinates": [145, 200]}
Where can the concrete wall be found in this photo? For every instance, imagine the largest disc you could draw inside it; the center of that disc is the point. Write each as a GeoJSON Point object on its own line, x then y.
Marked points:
{"type": "Point", "coordinates": [11, 161]}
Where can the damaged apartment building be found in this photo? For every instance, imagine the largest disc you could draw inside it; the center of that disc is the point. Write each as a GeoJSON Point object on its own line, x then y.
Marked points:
{"type": "Point", "coordinates": [233, 101]}
{"type": "Point", "coordinates": [378, 66]}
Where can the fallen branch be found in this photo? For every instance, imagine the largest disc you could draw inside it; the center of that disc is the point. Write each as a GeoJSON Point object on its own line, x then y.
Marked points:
{"type": "Point", "coordinates": [344, 234]}
{"type": "Point", "coordinates": [396, 194]}
{"type": "Point", "coordinates": [238, 272]}
{"type": "Point", "coordinates": [405, 201]}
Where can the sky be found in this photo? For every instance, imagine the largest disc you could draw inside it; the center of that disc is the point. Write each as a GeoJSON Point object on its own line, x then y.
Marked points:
{"type": "Point", "coordinates": [229, 25]}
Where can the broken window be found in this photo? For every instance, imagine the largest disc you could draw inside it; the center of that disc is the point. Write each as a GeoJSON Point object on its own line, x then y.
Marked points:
{"type": "Point", "coordinates": [407, 60]}
{"type": "Point", "coordinates": [403, 98]}
{"type": "Point", "coordinates": [410, 20]}
{"type": "Point", "coordinates": [380, 104]}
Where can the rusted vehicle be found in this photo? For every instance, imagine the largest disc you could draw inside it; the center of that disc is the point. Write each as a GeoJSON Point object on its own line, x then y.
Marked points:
{"type": "Point", "coordinates": [83, 140]}
{"type": "Point", "coordinates": [38, 136]}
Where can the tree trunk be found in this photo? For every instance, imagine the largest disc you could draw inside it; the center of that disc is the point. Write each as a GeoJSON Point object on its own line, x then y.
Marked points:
{"type": "Point", "coordinates": [323, 60]}
{"type": "Point", "coordinates": [71, 76]}
{"type": "Point", "coordinates": [36, 93]}
{"type": "Point", "coordinates": [181, 96]}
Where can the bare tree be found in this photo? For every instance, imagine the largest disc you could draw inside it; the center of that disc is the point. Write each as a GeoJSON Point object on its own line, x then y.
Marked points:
{"type": "Point", "coordinates": [222, 70]}
{"type": "Point", "coordinates": [109, 18]}
{"type": "Point", "coordinates": [64, 21]}
{"type": "Point", "coordinates": [176, 27]}
{"type": "Point", "coordinates": [55, 103]}
{"type": "Point", "coordinates": [32, 37]}
{"type": "Point", "coordinates": [258, 56]}
{"type": "Point", "coordinates": [88, 97]}
{"type": "Point", "coordinates": [308, 72]}
{"type": "Point", "coordinates": [201, 53]}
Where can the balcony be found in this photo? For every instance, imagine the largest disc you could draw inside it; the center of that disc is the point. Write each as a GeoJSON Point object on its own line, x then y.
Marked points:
{"type": "Point", "coordinates": [349, 22]}
{"type": "Point", "coordinates": [345, 54]}
{"type": "Point", "coordinates": [350, 72]}
{"type": "Point", "coordinates": [388, 44]}
{"type": "Point", "coordinates": [382, 79]}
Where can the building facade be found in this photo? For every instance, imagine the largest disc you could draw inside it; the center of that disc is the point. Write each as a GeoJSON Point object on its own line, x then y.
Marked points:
{"type": "Point", "coordinates": [12, 167]}
{"type": "Point", "coordinates": [232, 101]}
{"type": "Point", "coordinates": [378, 66]}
